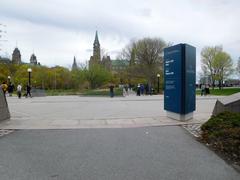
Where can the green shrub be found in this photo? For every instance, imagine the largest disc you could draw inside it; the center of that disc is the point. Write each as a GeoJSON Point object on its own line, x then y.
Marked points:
{"type": "Point", "coordinates": [222, 121]}
{"type": "Point", "coordinates": [222, 132]}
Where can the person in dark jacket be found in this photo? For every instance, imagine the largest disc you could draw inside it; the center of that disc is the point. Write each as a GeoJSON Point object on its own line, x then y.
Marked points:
{"type": "Point", "coordinates": [138, 90]}
{"type": "Point", "coordinates": [111, 89]}
{"type": "Point", "coordinates": [142, 89]}
{"type": "Point", "coordinates": [10, 89]}
{"type": "Point", "coordinates": [28, 91]}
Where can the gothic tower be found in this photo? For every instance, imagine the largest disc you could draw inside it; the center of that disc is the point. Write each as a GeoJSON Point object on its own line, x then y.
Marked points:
{"type": "Point", "coordinates": [33, 59]}
{"type": "Point", "coordinates": [96, 57]}
{"type": "Point", "coordinates": [96, 49]}
{"type": "Point", "coordinates": [74, 66]}
{"type": "Point", "coordinates": [16, 56]}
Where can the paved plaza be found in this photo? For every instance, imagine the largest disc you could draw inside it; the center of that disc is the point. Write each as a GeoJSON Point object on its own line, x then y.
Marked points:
{"type": "Point", "coordinates": [74, 137]}
{"type": "Point", "coordinates": [69, 112]}
{"type": "Point", "coordinates": [147, 153]}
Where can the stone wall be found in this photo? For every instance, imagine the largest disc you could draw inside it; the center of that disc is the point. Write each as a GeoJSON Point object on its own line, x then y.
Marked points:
{"type": "Point", "coordinates": [228, 103]}
{"type": "Point", "coordinates": [4, 111]}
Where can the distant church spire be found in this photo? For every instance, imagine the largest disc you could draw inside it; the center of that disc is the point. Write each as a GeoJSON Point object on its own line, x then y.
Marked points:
{"type": "Point", "coordinates": [96, 41]}
{"type": "Point", "coordinates": [96, 49]}
{"type": "Point", "coordinates": [74, 66]}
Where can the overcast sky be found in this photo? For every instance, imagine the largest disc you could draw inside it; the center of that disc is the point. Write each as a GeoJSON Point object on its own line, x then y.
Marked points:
{"type": "Point", "coordinates": [56, 30]}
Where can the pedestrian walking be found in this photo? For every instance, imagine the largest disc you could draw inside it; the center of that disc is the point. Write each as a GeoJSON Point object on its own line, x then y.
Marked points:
{"type": "Point", "coordinates": [203, 90]}
{"type": "Point", "coordinates": [138, 90]}
{"type": "Point", "coordinates": [10, 89]}
{"type": "Point", "coordinates": [19, 91]}
{"type": "Point", "coordinates": [142, 89]}
{"type": "Point", "coordinates": [146, 89]}
{"type": "Point", "coordinates": [207, 89]}
{"type": "Point", "coordinates": [28, 91]}
{"type": "Point", "coordinates": [111, 89]}
{"type": "Point", "coordinates": [126, 89]}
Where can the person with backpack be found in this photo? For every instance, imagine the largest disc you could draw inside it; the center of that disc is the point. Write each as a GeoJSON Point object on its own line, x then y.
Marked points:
{"type": "Point", "coordinates": [4, 87]}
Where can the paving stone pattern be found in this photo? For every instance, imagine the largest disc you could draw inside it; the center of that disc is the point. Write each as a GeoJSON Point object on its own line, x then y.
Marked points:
{"type": "Point", "coordinates": [4, 132]}
{"type": "Point", "coordinates": [194, 129]}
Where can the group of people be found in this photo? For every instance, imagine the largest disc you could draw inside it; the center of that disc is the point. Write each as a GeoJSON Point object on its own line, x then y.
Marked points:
{"type": "Point", "coordinates": [10, 89]}
{"type": "Point", "coordinates": [204, 89]}
{"type": "Point", "coordinates": [141, 90]}
{"type": "Point", "coordinates": [127, 89]}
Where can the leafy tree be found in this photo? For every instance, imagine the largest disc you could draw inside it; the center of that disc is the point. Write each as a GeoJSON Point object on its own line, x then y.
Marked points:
{"type": "Point", "coordinates": [238, 67]}
{"type": "Point", "coordinates": [21, 75]}
{"type": "Point", "coordinates": [4, 72]}
{"type": "Point", "coordinates": [222, 65]}
{"type": "Point", "coordinates": [98, 76]}
{"type": "Point", "coordinates": [79, 78]}
{"type": "Point", "coordinates": [208, 55]}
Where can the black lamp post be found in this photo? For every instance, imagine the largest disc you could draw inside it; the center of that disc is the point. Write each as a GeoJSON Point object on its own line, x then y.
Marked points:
{"type": "Point", "coordinates": [9, 79]}
{"type": "Point", "coordinates": [29, 76]}
{"type": "Point", "coordinates": [158, 76]}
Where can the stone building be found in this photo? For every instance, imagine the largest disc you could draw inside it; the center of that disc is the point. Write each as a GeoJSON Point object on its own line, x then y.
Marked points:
{"type": "Point", "coordinates": [107, 63]}
{"type": "Point", "coordinates": [96, 57]}
{"type": "Point", "coordinates": [33, 59]}
{"type": "Point", "coordinates": [74, 65]}
{"type": "Point", "coordinates": [16, 56]}
{"type": "Point", "coordinates": [119, 65]}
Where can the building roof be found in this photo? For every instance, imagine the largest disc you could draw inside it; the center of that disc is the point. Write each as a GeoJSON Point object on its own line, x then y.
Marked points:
{"type": "Point", "coordinates": [16, 51]}
{"type": "Point", "coordinates": [5, 60]}
{"type": "Point", "coordinates": [33, 56]}
{"type": "Point", "coordinates": [118, 62]}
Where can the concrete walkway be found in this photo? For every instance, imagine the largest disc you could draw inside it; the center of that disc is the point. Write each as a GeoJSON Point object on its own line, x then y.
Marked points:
{"type": "Point", "coordinates": [149, 153]}
{"type": "Point", "coordinates": [71, 112]}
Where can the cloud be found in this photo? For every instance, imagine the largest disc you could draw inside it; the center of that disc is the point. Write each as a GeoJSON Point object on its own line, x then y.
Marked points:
{"type": "Point", "coordinates": [57, 29]}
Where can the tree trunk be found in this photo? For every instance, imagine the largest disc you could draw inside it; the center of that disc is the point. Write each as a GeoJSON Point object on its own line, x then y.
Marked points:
{"type": "Point", "coordinates": [220, 84]}
{"type": "Point", "coordinates": [213, 84]}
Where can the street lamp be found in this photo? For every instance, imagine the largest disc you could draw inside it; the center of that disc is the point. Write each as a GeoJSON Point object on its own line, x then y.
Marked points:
{"type": "Point", "coordinates": [29, 76]}
{"type": "Point", "coordinates": [158, 76]}
{"type": "Point", "coordinates": [9, 79]}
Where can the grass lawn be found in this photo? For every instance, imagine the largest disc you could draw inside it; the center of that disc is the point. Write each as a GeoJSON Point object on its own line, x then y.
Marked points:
{"type": "Point", "coordinates": [61, 92]}
{"type": "Point", "coordinates": [92, 92]}
{"type": "Point", "coordinates": [221, 92]}
{"type": "Point", "coordinates": [102, 92]}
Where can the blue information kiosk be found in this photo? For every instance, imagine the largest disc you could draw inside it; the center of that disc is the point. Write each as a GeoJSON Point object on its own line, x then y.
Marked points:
{"type": "Point", "coordinates": [180, 80]}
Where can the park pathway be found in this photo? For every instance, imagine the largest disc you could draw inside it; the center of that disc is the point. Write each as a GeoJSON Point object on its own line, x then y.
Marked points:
{"type": "Point", "coordinates": [148, 153]}
{"type": "Point", "coordinates": [73, 112]}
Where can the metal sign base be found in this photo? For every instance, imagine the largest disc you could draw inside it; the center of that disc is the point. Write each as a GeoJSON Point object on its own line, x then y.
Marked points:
{"type": "Point", "coordinates": [179, 117]}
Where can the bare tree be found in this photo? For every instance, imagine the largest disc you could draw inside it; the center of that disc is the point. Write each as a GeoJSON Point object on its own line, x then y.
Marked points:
{"type": "Point", "coordinates": [145, 57]}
